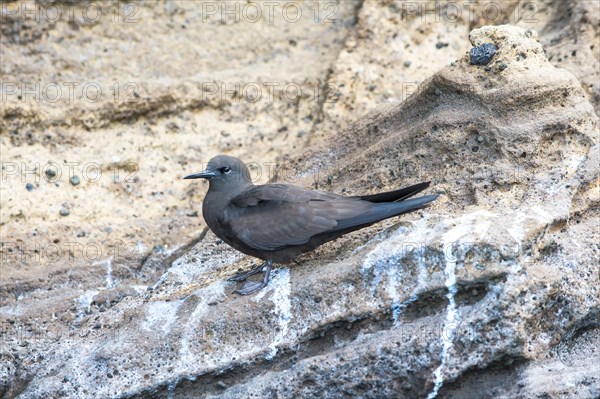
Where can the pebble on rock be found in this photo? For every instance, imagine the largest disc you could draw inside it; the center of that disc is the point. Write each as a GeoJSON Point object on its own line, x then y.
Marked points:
{"type": "Point", "coordinates": [482, 55]}
{"type": "Point", "coordinates": [29, 187]}
{"type": "Point", "coordinates": [64, 212]}
{"type": "Point", "coordinates": [75, 180]}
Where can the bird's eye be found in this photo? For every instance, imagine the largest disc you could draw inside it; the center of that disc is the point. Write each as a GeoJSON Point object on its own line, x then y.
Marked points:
{"type": "Point", "coordinates": [226, 170]}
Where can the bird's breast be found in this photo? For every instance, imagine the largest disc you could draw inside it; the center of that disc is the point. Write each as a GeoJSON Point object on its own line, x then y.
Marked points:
{"type": "Point", "coordinates": [217, 221]}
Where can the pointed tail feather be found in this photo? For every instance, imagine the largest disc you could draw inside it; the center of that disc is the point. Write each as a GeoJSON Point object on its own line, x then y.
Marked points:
{"type": "Point", "coordinates": [397, 195]}
{"type": "Point", "coordinates": [380, 211]}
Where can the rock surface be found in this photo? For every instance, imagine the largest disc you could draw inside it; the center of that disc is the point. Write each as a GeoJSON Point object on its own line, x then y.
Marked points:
{"type": "Point", "coordinates": [493, 291]}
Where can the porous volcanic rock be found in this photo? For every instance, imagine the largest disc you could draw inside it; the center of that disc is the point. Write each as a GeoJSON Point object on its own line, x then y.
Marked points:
{"type": "Point", "coordinates": [493, 291]}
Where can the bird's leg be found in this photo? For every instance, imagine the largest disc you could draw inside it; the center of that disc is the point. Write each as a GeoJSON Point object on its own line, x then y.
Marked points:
{"type": "Point", "coordinates": [251, 287]}
{"type": "Point", "coordinates": [244, 275]}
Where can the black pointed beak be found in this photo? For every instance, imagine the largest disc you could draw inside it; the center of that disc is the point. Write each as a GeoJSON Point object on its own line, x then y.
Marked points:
{"type": "Point", "coordinates": [205, 174]}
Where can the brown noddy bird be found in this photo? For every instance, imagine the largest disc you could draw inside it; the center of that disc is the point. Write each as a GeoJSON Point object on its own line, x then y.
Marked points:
{"type": "Point", "coordinates": [277, 222]}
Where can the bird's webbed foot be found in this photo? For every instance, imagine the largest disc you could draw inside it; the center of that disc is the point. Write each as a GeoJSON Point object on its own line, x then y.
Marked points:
{"type": "Point", "coordinates": [244, 275]}
{"type": "Point", "coordinates": [251, 286]}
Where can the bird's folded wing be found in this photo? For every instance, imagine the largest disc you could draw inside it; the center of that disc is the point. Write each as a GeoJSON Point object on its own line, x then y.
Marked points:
{"type": "Point", "coordinates": [273, 216]}
{"type": "Point", "coordinates": [278, 192]}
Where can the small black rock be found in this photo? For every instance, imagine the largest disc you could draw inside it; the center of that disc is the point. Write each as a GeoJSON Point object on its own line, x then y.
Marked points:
{"type": "Point", "coordinates": [29, 187]}
{"type": "Point", "coordinates": [482, 55]}
{"type": "Point", "coordinates": [502, 66]}
{"type": "Point", "coordinates": [64, 212]}
{"type": "Point", "coordinates": [439, 45]}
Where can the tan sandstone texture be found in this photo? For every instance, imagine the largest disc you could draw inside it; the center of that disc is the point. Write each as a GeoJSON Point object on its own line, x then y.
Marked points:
{"type": "Point", "coordinates": [493, 291]}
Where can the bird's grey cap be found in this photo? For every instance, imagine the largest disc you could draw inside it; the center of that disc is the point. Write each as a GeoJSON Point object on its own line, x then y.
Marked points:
{"type": "Point", "coordinates": [219, 164]}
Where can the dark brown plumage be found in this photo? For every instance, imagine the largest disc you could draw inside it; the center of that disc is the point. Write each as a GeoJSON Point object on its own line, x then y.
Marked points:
{"type": "Point", "coordinates": [277, 222]}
